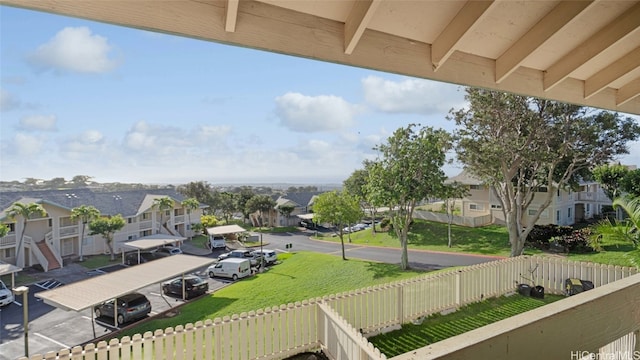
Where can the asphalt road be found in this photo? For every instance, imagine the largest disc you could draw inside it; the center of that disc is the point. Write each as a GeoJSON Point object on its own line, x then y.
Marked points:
{"type": "Point", "coordinates": [52, 329]}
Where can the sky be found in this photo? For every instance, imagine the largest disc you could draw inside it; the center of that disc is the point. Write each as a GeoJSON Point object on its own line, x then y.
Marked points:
{"type": "Point", "coordinates": [131, 106]}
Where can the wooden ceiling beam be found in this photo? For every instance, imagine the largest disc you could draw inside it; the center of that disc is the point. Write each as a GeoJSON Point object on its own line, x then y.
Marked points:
{"type": "Point", "coordinates": [628, 92]}
{"type": "Point", "coordinates": [231, 15]}
{"type": "Point", "coordinates": [357, 22]}
{"type": "Point", "coordinates": [612, 72]}
{"type": "Point", "coordinates": [445, 44]}
{"type": "Point", "coordinates": [549, 25]}
{"type": "Point", "coordinates": [596, 44]}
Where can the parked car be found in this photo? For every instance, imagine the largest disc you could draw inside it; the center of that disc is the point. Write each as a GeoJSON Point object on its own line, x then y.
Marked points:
{"type": "Point", "coordinates": [6, 295]}
{"type": "Point", "coordinates": [193, 286]}
{"type": "Point", "coordinates": [242, 254]}
{"type": "Point", "coordinates": [131, 258]}
{"type": "Point", "coordinates": [234, 268]}
{"type": "Point", "coordinates": [216, 241]}
{"type": "Point", "coordinates": [131, 307]}
{"type": "Point", "coordinates": [270, 256]}
{"type": "Point", "coordinates": [169, 250]}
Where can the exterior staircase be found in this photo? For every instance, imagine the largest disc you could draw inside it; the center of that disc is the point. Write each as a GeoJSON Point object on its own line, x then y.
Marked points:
{"type": "Point", "coordinates": [48, 254]}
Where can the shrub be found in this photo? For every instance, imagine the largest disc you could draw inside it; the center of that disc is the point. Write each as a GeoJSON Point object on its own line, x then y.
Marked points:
{"type": "Point", "coordinates": [577, 241]}
{"type": "Point", "coordinates": [541, 235]}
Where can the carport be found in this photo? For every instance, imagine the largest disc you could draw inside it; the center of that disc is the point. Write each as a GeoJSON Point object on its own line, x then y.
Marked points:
{"type": "Point", "coordinates": [86, 294]}
{"type": "Point", "coordinates": [226, 229]}
{"type": "Point", "coordinates": [151, 242]}
{"type": "Point", "coordinates": [9, 269]}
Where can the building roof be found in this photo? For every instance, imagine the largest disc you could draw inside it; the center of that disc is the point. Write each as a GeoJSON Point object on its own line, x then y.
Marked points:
{"type": "Point", "coordinates": [154, 241]}
{"type": "Point", "coordinates": [126, 203]}
{"type": "Point", "coordinates": [583, 52]}
{"type": "Point", "coordinates": [84, 294]}
{"type": "Point", "coordinates": [226, 229]}
{"type": "Point", "coordinates": [300, 199]}
{"type": "Point", "coordinates": [464, 178]}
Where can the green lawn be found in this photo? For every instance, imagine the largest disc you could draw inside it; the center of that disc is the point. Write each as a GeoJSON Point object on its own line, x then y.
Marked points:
{"type": "Point", "coordinates": [300, 276]}
{"type": "Point", "coordinates": [426, 235]}
{"type": "Point", "coordinates": [439, 327]}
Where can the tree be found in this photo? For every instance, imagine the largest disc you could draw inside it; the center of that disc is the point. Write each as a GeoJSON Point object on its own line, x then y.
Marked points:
{"type": "Point", "coordinates": [338, 209]}
{"type": "Point", "coordinates": [245, 193]}
{"type": "Point", "coordinates": [451, 192]}
{"type": "Point", "coordinates": [227, 205]}
{"type": "Point", "coordinates": [80, 180]}
{"type": "Point", "coordinates": [286, 210]}
{"type": "Point", "coordinates": [519, 145]}
{"type": "Point", "coordinates": [84, 214]}
{"type": "Point", "coordinates": [190, 204]}
{"type": "Point", "coordinates": [202, 192]}
{"type": "Point", "coordinates": [163, 204]}
{"type": "Point", "coordinates": [107, 227]}
{"type": "Point", "coordinates": [4, 230]}
{"type": "Point", "coordinates": [208, 221]}
{"type": "Point", "coordinates": [409, 170]}
{"type": "Point", "coordinates": [610, 178]}
{"type": "Point", "coordinates": [631, 183]}
{"type": "Point", "coordinates": [26, 212]}
{"type": "Point", "coordinates": [262, 204]}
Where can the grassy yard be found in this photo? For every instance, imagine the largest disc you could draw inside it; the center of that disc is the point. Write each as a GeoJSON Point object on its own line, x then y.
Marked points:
{"type": "Point", "coordinates": [425, 235]}
{"type": "Point", "coordinates": [300, 276]}
{"type": "Point", "coordinates": [439, 327]}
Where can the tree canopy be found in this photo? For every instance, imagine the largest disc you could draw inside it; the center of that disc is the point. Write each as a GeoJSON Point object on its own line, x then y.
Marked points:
{"type": "Point", "coordinates": [107, 227]}
{"type": "Point", "coordinates": [519, 145]}
{"type": "Point", "coordinates": [338, 209]}
{"type": "Point", "coordinates": [85, 214]}
{"type": "Point", "coordinates": [408, 170]}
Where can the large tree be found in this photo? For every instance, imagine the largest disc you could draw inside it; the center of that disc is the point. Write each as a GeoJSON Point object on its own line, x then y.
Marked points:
{"type": "Point", "coordinates": [85, 214]}
{"type": "Point", "coordinates": [242, 196]}
{"type": "Point", "coordinates": [408, 170]}
{"type": "Point", "coordinates": [338, 209]}
{"type": "Point", "coordinates": [262, 204]}
{"type": "Point", "coordinates": [26, 212]}
{"type": "Point", "coordinates": [518, 145]}
{"type": "Point", "coordinates": [107, 227]}
{"type": "Point", "coordinates": [631, 183]}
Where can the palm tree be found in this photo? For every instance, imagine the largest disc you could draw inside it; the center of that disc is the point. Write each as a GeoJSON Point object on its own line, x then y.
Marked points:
{"type": "Point", "coordinates": [190, 204]}
{"type": "Point", "coordinates": [26, 211]}
{"type": "Point", "coordinates": [85, 214]}
{"type": "Point", "coordinates": [628, 229]}
{"type": "Point", "coordinates": [162, 204]}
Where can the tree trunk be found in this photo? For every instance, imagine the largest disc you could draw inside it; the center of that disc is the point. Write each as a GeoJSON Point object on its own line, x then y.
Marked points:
{"type": "Point", "coordinates": [517, 244]}
{"type": "Point", "coordinates": [344, 255]}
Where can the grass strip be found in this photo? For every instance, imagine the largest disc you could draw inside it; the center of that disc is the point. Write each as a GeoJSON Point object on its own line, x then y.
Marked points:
{"type": "Point", "coordinates": [438, 327]}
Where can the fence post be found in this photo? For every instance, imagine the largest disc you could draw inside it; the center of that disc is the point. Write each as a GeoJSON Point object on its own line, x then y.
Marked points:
{"type": "Point", "coordinates": [458, 285]}
{"type": "Point", "coordinates": [400, 304]}
{"type": "Point", "coordinates": [637, 340]}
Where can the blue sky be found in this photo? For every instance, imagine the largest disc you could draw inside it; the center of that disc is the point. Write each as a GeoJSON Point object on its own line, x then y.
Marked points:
{"type": "Point", "coordinates": [125, 105]}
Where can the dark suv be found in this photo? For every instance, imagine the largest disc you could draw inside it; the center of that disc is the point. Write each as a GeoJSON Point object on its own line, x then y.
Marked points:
{"type": "Point", "coordinates": [145, 256]}
{"type": "Point", "coordinates": [130, 307]}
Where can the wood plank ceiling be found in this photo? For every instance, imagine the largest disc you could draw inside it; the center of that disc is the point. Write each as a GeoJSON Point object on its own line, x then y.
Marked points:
{"type": "Point", "coordinates": [584, 52]}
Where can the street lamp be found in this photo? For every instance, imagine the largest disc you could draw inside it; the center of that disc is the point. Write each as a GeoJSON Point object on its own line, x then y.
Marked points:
{"type": "Point", "coordinates": [24, 291]}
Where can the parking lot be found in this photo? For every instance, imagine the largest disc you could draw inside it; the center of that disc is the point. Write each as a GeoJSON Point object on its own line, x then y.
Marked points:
{"type": "Point", "coordinates": [51, 329]}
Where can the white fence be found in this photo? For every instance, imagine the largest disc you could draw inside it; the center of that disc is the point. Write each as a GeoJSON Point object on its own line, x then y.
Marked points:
{"type": "Point", "coordinates": [469, 221]}
{"type": "Point", "coordinates": [337, 323]}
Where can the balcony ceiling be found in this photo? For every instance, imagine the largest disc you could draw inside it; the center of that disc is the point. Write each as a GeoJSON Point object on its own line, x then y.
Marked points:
{"type": "Point", "coordinates": [583, 52]}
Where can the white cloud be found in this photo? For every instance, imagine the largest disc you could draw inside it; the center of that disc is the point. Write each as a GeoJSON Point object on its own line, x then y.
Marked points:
{"type": "Point", "coordinates": [314, 113]}
{"type": "Point", "coordinates": [38, 123]}
{"type": "Point", "coordinates": [8, 101]}
{"type": "Point", "coordinates": [157, 140]}
{"type": "Point", "coordinates": [89, 144]}
{"type": "Point", "coordinates": [410, 95]}
{"type": "Point", "coordinates": [74, 50]}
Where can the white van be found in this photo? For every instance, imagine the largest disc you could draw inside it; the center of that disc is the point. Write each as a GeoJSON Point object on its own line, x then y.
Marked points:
{"type": "Point", "coordinates": [217, 241]}
{"type": "Point", "coordinates": [235, 268]}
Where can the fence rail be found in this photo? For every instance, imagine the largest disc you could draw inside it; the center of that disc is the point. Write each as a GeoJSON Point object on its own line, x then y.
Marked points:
{"type": "Point", "coordinates": [469, 221]}
{"type": "Point", "coordinates": [337, 322]}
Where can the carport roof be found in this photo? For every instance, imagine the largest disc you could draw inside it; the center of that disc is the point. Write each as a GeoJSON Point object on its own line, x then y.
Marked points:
{"type": "Point", "coordinates": [84, 294]}
{"type": "Point", "coordinates": [306, 216]}
{"type": "Point", "coordinates": [227, 229]}
{"type": "Point", "coordinates": [8, 269]}
{"type": "Point", "coordinates": [152, 241]}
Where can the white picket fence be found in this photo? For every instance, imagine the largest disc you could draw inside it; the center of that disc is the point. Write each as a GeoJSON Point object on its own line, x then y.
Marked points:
{"type": "Point", "coordinates": [337, 323]}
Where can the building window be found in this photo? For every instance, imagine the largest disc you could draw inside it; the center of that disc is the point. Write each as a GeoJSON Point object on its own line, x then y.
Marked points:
{"type": "Point", "coordinates": [50, 222]}
{"type": "Point", "coordinates": [167, 213]}
{"type": "Point", "coordinates": [588, 208]}
{"type": "Point", "coordinates": [532, 212]}
{"type": "Point", "coordinates": [475, 207]}
{"type": "Point", "coordinates": [495, 206]}
{"type": "Point", "coordinates": [569, 213]}
{"type": "Point", "coordinates": [188, 226]}
{"type": "Point", "coordinates": [129, 220]}
{"type": "Point", "coordinates": [146, 216]}
{"type": "Point", "coordinates": [558, 215]}
{"type": "Point", "coordinates": [558, 192]}
{"type": "Point", "coordinates": [12, 227]}
{"type": "Point", "coordinates": [8, 253]}
{"type": "Point", "coordinates": [475, 187]}
{"type": "Point", "coordinates": [543, 189]}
